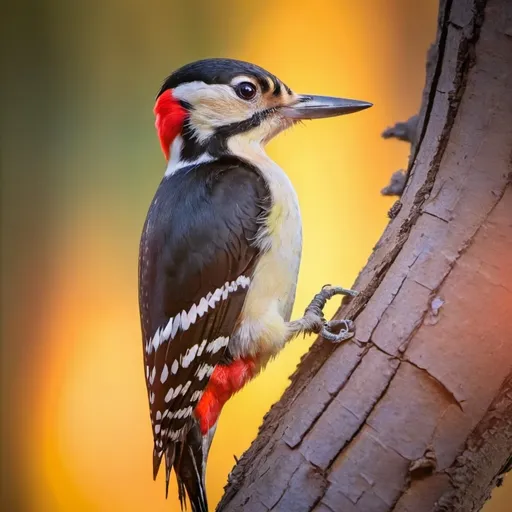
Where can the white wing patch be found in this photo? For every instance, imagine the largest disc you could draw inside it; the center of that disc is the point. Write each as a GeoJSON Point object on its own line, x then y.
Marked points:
{"type": "Point", "coordinates": [202, 307]}
{"type": "Point", "coordinates": [201, 348]}
{"type": "Point", "coordinates": [214, 346]}
{"type": "Point", "coordinates": [204, 370]}
{"type": "Point", "coordinates": [165, 374]}
{"type": "Point", "coordinates": [196, 396]}
{"type": "Point", "coordinates": [185, 387]}
{"type": "Point", "coordinates": [168, 396]}
{"type": "Point", "coordinates": [189, 356]}
{"type": "Point", "coordinates": [184, 319]}
{"type": "Point", "coordinates": [164, 334]}
{"type": "Point", "coordinates": [177, 391]}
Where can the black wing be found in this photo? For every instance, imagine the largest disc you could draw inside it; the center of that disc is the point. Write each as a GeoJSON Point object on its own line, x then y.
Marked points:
{"type": "Point", "coordinates": [197, 257]}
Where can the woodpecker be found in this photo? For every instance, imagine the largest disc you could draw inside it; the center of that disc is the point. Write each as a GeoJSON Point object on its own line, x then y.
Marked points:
{"type": "Point", "coordinates": [219, 254]}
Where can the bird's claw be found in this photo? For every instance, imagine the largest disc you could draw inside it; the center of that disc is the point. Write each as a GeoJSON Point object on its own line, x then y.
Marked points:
{"type": "Point", "coordinates": [345, 332]}
{"type": "Point", "coordinates": [314, 321]}
{"type": "Point", "coordinates": [338, 290]}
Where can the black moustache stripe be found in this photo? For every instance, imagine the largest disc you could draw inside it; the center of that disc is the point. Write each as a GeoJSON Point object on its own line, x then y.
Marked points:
{"type": "Point", "coordinates": [217, 144]}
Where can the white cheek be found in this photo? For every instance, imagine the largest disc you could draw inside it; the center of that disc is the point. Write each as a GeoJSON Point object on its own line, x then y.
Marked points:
{"type": "Point", "coordinates": [190, 91]}
{"type": "Point", "coordinates": [221, 106]}
{"type": "Point", "coordinates": [213, 106]}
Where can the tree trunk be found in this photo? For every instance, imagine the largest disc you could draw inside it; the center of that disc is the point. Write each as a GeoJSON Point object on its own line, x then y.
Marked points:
{"type": "Point", "coordinates": [415, 413]}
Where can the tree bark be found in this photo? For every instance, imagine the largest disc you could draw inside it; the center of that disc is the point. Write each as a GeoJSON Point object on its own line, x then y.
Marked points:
{"type": "Point", "coordinates": [415, 413]}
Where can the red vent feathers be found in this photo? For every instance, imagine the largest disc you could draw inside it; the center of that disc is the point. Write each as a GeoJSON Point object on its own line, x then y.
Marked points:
{"type": "Point", "coordinates": [170, 116]}
{"type": "Point", "coordinates": [224, 382]}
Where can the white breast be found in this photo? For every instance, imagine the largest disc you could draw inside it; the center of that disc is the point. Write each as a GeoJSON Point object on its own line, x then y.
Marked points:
{"type": "Point", "coordinates": [271, 295]}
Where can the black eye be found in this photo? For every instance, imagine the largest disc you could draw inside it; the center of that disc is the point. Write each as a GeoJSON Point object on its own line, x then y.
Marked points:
{"type": "Point", "coordinates": [245, 90]}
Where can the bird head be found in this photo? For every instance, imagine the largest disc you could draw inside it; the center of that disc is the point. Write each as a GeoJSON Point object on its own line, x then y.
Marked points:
{"type": "Point", "coordinates": [205, 108]}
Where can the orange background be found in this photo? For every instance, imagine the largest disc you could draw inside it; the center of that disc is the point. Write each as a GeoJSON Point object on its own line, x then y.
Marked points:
{"type": "Point", "coordinates": [80, 163]}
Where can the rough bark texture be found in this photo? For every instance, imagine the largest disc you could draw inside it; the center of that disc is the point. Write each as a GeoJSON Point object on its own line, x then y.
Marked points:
{"type": "Point", "coordinates": [415, 413]}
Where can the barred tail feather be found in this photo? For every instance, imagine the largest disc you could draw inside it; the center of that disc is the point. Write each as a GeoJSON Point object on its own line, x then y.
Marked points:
{"type": "Point", "coordinates": [188, 465]}
{"type": "Point", "coordinates": [157, 459]}
{"type": "Point", "coordinates": [188, 458]}
{"type": "Point", "coordinates": [170, 453]}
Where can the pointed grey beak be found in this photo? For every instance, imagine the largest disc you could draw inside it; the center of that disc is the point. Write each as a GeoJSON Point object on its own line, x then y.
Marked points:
{"type": "Point", "coordinates": [317, 107]}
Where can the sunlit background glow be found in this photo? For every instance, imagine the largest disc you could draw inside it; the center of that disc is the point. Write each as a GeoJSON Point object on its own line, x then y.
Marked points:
{"type": "Point", "coordinates": [80, 163]}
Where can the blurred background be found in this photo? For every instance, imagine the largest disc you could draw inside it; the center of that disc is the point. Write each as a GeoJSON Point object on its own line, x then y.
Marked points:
{"type": "Point", "coordinates": [80, 163]}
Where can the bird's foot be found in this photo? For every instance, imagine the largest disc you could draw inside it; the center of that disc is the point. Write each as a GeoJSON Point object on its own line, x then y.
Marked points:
{"type": "Point", "coordinates": [313, 320]}
{"type": "Point", "coordinates": [316, 306]}
{"type": "Point", "coordinates": [345, 330]}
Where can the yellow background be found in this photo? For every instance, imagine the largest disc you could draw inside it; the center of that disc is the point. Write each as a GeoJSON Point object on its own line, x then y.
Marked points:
{"type": "Point", "coordinates": [80, 163]}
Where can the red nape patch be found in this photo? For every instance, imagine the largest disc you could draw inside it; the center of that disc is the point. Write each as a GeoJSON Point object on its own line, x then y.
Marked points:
{"type": "Point", "coordinates": [224, 382]}
{"type": "Point", "coordinates": [170, 116]}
